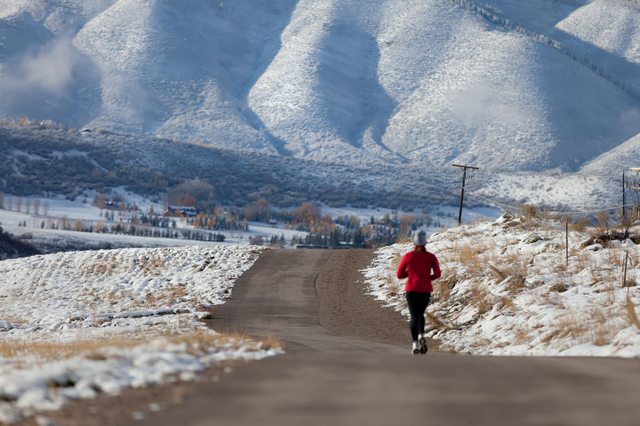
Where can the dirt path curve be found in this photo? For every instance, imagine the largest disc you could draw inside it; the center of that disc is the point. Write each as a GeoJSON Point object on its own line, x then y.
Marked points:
{"type": "Point", "coordinates": [348, 363]}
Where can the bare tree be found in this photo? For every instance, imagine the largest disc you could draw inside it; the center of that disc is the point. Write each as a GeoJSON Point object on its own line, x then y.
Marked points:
{"type": "Point", "coordinates": [19, 204]}
{"type": "Point", "coordinates": [1, 200]}
{"type": "Point", "coordinates": [405, 224]}
{"type": "Point", "coordinates": [36, 207]}
{"type": "Point", "coordinates": [100, 202]}
{"type": "Point", "coordinates": [307, 213]}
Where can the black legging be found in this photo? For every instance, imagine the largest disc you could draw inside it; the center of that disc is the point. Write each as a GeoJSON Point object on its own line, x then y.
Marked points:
{"type": "Point", "coordinates": [418, 303]}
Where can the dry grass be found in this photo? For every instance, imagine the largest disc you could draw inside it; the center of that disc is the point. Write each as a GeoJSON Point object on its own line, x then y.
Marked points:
{"type": "Point", "coordinates": [392, 282]}
{"type": "Point", "coordinates": [439, 323]}
{"type": "Point", "coordinates": [602, 333]}
{"type": "Point", "coordinates": [497, 273]}
{"type": "Point", "coordinates": [114, 297]}
{"type": "Point", "coordinates": [528, 211]}
{"type": "Point", "coordinates": [559, 287]}
{"type": "Point", "coordinates": [599, 316]}
{"type": "Point", "coordinates": [573, 250]}
{"type": "Point", "coordinates": [579, 226]}
{"type": "Point", "coordinates": [604, 223]}
{"type": "Point", "coordinates": [521, 336]}
{"type": "Point", "coordinates": [395, 262]}
{"type": "Point", "coordinates": [164, 297]}
{"type": "Point", "coordinates": [480, 298]}
{"type": "Point", "coordinates": [560, 266]}
{"type": "Point", "coordinates": [516, 264]}
{"type": "Point", "coordinates": [631, 312]}
{"type": "Point", "coordinates": [548, 337]}
{"type": "Point", "coordinates": [270, 342]}
{"type": "Point", "coordinates": [197, 342]}
{"type": "Point", "coordinates": [53, 351]}
{"type": "Point", "coordinates": [151, 265]}
{"type": "Point", "coordinates": [100, 267]}
{"type": "Point", "coordinates": [615, 257]}
{"type": "Point", "coordinates": [200, 341]}
{"type": "Point", "coordinates": [584, 261]}
{"type": "Point", "coordinates": [469, 256]}
{"type": "Point", "coordinates": [481, 342]}
{"type": "Point", "coordinates": [515, 270]}
{"type": "Point", "coordinates": [601, 337]}
{"type": "Point", "coordinates": [609, 289]}
{"type": "Point", "coordinates": [584, 258]}
{"type": "Point", "coordinates": [445, 284]}
{"type": "Point", "coordinates": [506, 303]}
{"type": "Point", "coordinates": [569, 326]}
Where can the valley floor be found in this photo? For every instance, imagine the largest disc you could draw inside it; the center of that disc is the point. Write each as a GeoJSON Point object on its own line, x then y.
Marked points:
{"type": "Point", "coordinates": [93, 324]}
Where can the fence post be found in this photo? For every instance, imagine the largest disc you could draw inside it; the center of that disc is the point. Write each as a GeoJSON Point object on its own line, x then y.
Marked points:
{"type": "Point", "coordinates": [566, 241]}
{"type": "Point", "coordinates": [624, 276]}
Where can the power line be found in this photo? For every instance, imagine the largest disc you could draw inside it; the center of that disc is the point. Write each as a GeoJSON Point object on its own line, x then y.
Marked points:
{"type": "Point", "coordinates": [476, 195]}
{"type": "Point", "coordinates": [498, 203]}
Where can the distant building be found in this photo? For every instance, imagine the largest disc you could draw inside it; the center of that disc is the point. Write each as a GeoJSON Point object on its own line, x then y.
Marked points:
{"type": "Point", "coordinates": [181, 211]}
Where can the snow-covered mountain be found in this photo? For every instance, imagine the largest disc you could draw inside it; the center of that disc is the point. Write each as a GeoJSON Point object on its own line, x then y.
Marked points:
{"type": "Point", "coordinates": [510, 86]}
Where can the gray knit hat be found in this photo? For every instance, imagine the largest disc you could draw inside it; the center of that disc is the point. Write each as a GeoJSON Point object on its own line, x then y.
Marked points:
{"type": "Point", "coordinates": [420, 238]}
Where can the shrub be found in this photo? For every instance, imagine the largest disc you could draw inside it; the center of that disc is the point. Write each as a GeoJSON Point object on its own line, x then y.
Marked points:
{"type": "Point", "coordinates": [528, 211]}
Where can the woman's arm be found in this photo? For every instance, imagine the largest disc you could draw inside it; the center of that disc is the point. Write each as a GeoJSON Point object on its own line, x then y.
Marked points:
{"type": "Point", "coordinates": [436, 269]}
{"type": "Point", "coordinates": [402, 269]}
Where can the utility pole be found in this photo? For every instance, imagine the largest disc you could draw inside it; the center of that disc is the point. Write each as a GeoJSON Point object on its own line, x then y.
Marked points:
{"type": "Point", "coordinates": [464, 181]}
{"type": "Point", "coordinates": [624, 277]}
{"type": "Point", "coordinates": [624, 200]}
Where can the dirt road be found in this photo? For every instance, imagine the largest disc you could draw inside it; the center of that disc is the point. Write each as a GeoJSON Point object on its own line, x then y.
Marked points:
{"type": "Point", "coordinates": [348, 363]}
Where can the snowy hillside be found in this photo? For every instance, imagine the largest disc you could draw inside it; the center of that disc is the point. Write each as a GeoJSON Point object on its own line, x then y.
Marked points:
{"type": "Point", "coordinates": [74, 325]}
{"type": "Point", "coordinates": [506, 289]}
{"type": "Point", "coordinates": [49, 159]}
{"type": "Point", "coordinates": [613, 26]}
{"type": "Point", "coordinates": [510, 86]}
{"type": "Point", "coordinates": [544, 85]}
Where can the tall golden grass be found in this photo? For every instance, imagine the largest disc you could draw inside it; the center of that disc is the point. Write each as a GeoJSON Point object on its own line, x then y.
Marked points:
{"type": "Point", "coordinates": [631, 311]}
{"type": "Point", "coordinates": [197, 342]}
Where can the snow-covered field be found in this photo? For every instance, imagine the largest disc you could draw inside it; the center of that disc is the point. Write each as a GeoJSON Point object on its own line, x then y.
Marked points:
{"type": "Point", "coordinates": [73, 325]}
{"type": "Point", "coordinates": [58, 208]}
{"type": "Point", "coordinates": [82, 209]}
{"type": "Point", "coordinates": [506, 290]}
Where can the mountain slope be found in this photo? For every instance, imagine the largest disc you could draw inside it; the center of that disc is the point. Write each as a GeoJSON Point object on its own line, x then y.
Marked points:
{"type": "Point", "coordinates": [190, 67]}
{"type": "Point", "coordinates": [506, 85]}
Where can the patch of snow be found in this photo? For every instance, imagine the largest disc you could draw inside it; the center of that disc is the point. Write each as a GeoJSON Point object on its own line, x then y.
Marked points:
{"type": "Point", "coordinates": [133, 315]}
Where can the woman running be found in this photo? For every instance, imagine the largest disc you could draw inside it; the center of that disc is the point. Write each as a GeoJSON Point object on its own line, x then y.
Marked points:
{"type": "Point", "coordinates": [420, 267]}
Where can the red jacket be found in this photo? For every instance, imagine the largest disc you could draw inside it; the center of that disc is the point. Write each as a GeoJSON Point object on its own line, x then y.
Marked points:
{"type": "Point", "coordinates": [417, 265]}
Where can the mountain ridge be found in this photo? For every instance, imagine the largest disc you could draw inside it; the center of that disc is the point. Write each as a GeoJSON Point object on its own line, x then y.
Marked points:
{"type": "Point", "coordinates": [509, 87]}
